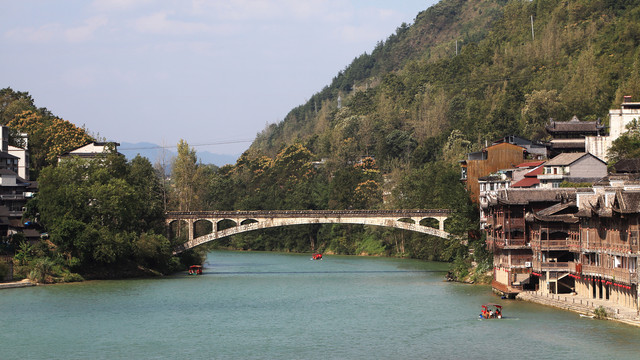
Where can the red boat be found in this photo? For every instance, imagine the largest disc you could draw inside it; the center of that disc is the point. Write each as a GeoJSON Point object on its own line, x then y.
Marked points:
{"type": "Point", "coordinates": [491, 311]}
{"type": "Point", "coordinates": [316, 256]}
{"type": "Point", "coordinates": [195, 270]}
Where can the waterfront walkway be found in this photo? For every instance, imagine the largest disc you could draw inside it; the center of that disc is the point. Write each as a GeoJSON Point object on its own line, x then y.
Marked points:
{"type": "Point", "coordinates": [582, 305]}
{"type": "Point", "coordinates": [16, 284]}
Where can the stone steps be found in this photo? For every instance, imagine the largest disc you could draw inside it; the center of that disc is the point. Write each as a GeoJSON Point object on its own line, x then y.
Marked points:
{"type": "Point", "coordinates": [582, 306]}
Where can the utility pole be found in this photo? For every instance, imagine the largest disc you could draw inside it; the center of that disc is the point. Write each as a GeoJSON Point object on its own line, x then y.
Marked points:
{"type": "Point", "coordinates": [533, 36]}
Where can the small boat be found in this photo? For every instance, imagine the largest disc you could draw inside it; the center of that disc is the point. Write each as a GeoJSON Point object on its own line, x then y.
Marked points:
{"type": "Point", "coordinates": [491, 311]}
{"type": "Point", "coordinates": [587, 316]}
{"type": "Point", "coordinates": [316, 256]}
{"type": "Point", "coordinates": [195, 270]}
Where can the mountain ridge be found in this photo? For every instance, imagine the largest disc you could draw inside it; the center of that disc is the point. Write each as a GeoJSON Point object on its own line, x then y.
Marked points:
{"type": "Point", "coordinates": [153, 152]}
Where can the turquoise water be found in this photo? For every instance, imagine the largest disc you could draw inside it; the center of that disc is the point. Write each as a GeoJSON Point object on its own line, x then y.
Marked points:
{"type": "Point", "coordinates": [282, 306]}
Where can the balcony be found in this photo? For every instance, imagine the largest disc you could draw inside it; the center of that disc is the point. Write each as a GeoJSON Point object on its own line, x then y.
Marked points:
{"type": "Point", "coordinates": [550, 266]}
{"type": "Point", "coordinates": [617, 274]}
{"type": "Point", "coordinates": [521, 261]}
{"type": "Point", "coordinates": [554, 245]}
{"type": "Point", "coordinates": [12, 197]}
{"type": "Point", "coordinates": [520, 243]}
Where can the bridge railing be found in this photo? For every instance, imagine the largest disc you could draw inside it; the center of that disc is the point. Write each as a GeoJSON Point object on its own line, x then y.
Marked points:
{"type": "Point", "coordinates": [308, 213]}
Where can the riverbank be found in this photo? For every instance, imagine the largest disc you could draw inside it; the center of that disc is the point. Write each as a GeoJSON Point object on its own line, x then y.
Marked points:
{"type": "Point", "coordinates": [17, 284]}
{"type": "Point", "coordinates": [582, 305]}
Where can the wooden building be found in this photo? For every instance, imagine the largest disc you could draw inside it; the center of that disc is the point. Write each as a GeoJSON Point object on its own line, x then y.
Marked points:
{"type": "Point", "coordinates": [487, 161]}
{"type": "Point", "coordinates": [569, 136]}
{"type": "Point", "coordinates": [509, 236]}
{"type": "Point", "coordinates": [569, 241]}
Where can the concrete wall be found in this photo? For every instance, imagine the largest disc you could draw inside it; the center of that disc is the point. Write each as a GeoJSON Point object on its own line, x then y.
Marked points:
{"type": "Point", "coordinates": [588, 167]}
{"type": "Point", "coordinates": [598, 146]}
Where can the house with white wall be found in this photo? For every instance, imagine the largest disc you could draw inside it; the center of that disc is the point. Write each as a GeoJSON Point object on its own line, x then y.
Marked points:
{"type": "Point", "coordinates": [572, 167]}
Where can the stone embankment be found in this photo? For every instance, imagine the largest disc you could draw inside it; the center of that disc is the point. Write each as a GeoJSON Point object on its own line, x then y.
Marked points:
{"type": "Point", "coordinates": [17, 284]}
{"type": "Point", "coordinates": [582, 305]}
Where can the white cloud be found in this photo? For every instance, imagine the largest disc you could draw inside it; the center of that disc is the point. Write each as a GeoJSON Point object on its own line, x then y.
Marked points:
{"type": "Point", "coordinates": [85, 32]}
{"type": "Point", "coordinates": [40, 34]}
{"type": "Point", "coordinates": [56, 32]}
{"type": "Point", "coordinates": [159, 23]}
{"type": "Point", "coordinates": [118, 5]}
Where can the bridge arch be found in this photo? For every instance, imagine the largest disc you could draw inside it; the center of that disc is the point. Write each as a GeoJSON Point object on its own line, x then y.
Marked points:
{"type": "Point", "coordinates": [246, 221]}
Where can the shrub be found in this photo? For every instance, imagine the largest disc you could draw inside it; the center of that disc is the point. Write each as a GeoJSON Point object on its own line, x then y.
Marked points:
{"type": "Point", "coordinates": [600, 312]}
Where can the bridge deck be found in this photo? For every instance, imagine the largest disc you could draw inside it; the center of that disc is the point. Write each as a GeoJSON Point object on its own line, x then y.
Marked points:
{"type": "Point", "coordinates": [306, 213]}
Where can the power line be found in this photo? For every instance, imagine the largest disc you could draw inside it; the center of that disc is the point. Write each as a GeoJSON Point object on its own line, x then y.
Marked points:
{"type": "Point", "coordinates": [227, 142]}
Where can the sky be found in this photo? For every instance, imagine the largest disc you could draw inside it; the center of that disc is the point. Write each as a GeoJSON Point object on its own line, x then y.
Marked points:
{"type": "Point", "coordinates": [212, 73]}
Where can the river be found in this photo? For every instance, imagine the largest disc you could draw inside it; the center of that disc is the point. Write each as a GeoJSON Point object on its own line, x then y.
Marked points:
{"type": "Point", "coordinates": [253, 305]}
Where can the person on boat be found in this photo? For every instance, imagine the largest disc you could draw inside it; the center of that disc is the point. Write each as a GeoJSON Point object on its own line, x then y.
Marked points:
{"type": "Point", "coordinates": [490, 314]}
{"type": "Point", "coordinates": [498, 314]}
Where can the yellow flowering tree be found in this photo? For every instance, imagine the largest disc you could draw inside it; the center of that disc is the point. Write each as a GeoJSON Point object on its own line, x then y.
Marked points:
{"type": "Point", "coordinates": [49, 137]}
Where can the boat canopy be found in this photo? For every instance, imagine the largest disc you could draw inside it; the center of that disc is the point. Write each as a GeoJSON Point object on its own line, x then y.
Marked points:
{"type": "Point", "coordinates": [488, 305]}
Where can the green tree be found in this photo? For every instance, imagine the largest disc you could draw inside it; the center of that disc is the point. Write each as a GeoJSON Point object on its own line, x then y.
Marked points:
{"type": "Point", "coordinates": [188, 179]}
{"type": "Point", "coordinates": [627, 146]}
{"type": "Point", "coordinates": [97, 209]}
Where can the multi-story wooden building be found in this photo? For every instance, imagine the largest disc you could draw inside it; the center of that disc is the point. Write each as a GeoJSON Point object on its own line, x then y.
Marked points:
{"type": "Point", "coordinates": [583, 241]}
{"type": "Point", "coordinates": [509, 236]}
{"type": "Point", "coordinates": [487, 161]}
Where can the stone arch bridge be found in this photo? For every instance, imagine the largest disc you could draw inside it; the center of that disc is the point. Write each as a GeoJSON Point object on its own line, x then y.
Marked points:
{"type": "Point", "coordinates": [255, 220]}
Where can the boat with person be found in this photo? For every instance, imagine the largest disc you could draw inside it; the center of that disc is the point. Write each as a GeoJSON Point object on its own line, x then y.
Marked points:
{"type": "Point", "coordinates": [316, 256]}
{"type": "Point", "coordinates": [195, 270]}
{"type": "Point", "coordinates": [491, 311]}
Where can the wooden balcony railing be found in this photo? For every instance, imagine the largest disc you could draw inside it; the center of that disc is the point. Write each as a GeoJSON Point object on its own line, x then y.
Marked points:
{"type": "Point", "coordinates": [498, 243]}
{"type": "Point", "coordinates": [617, 274]}
{"type": "Point", "coordinates": [554, 244]}
{"type": "Point", "coordinates": [550, 266]}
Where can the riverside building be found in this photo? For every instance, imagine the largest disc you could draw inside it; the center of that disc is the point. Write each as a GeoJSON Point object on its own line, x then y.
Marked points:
{"type": "Point", "coordinates": [581, 241]}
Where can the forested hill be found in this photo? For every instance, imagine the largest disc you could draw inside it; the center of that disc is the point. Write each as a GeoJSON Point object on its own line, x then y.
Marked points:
{"type": "Point", "coordinates": [413, 100]}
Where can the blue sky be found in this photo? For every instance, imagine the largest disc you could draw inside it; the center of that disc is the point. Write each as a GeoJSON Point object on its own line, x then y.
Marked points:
{"type": "Point", "coordinates": [206, 71]}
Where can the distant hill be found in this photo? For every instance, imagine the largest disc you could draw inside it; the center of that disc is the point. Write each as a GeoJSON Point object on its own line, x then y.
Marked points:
{"type": "Point", "coordinates": [153, 152]}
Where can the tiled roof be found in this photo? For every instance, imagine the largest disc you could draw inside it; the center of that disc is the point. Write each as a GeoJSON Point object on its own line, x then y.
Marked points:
{"type": "Point", "coordinates": [574, 126]}
{"type": "Point", "coordinates": [526, 182]}
{"type": "Point", "coordinates": [531, 164]}
{"type": "Point", "coordinates": [535, 172]}
{"type": "Point", "coordinates": [627, 166]}
{"type": "Point", "coordinates": [526, 196]}
{"type": "Point", "coordinates": [556, 208]}
{"type": "Point", "coordinates": [628, 201]}
{"type": "Point", "coordinates": [565, 159]}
